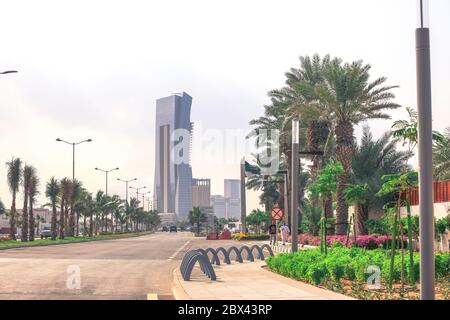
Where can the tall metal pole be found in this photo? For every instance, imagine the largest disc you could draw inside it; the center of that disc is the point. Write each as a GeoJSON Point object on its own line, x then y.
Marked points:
{"type": "Point", "coordinates": [294, 186]}
{"type": "Point", "coordinates": [427, 271]}
{"type": "Point", "coordinates": [243, 198]}
{"type": "Point", "coordinates": [106, 187]}
{"type": "Point", "coordinates": [73, 162]}
{"type": "Point", "coordinates": [286, 200]}
{"type": "Point", "coordinates": [73, 144]}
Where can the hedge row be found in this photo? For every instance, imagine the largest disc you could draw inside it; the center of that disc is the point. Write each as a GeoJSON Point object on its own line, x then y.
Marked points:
{"type": "Point", "coordinates": [348, 263]}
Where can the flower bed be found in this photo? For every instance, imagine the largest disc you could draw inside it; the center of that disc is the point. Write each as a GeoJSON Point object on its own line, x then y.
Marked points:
{"type": "Point", "coordinates": [367, 242]}
{"type": "Point", "coordinates": [242, 236]}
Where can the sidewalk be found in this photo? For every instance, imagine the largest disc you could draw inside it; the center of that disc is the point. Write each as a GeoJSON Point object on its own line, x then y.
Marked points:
{"type": "Point", "coordinates": [247, 281]}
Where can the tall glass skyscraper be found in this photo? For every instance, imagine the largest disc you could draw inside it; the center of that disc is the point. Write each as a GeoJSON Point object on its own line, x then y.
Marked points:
{"type": "Point", "coordinates": [173, 178]}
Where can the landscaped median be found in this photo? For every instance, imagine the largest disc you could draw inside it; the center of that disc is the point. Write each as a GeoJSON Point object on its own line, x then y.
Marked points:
{"type": "Point", "coordinates": [349, 271]}
{"type": "Point", "coordinates": [10, 244]}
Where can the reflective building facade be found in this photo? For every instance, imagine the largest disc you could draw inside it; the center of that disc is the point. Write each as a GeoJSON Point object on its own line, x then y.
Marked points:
{"type": "Point", "coordinates": [173, 172]}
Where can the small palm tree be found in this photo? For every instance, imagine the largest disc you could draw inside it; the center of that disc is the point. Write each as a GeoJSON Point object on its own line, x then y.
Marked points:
{"type": "Point", "coordinates": [52, 192]}
{"type": "Point", "coordinates": [32, 193]}
{"type": "Point", "coordinates": [196, 217]}
{"type": "Point", "coordinates": [14, 178]}
{"type": "Point", "coordinates": [441, 157]}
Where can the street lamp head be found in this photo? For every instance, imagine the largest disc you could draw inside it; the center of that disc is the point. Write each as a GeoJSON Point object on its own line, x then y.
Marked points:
{"type": "Point", "coordinates": [116, 169]}
{"type": "Point", "coordinates": [423, 19]}
{"type": "Point", "coordinates": [96, 168]}
{"type": "Point", "coordinates": [89, 140]}
{"type": "Point", "coordinates": [9, 71]}
{"type": "Point", "coordinates": [58, 139]}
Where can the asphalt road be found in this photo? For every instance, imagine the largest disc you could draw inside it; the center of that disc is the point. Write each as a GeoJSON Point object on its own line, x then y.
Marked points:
{"type": "Point", "coordinates": [132, 268]}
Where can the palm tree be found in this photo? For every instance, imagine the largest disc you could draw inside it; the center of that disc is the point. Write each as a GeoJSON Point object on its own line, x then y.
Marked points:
{"type": "Point", "coordinates": [52, 192]}
{"type": "Point", "coordinates": [196, 217]}
{"type": "Point", "coordinates": [441, 157]}
{"type": "Point", "coordinates": [74, 195]}
{"type": "Point", "coordinates": [130, 209]}
{"type": "Point", "coordinates": [32, 193]}
{"type": "Point", "coordinates": [65, 195]}
{"type": "Point", "coordinates": [371, 160]}
{"type": "Point", "coordinates": [351, 99]}
{"type": "Point", "coordinates": [14, 176]}
{"type": "Point", "coordinates": [27, 174]}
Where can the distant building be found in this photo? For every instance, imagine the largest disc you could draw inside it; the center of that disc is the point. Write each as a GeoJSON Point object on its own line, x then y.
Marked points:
{"type": "Point", "coordinates": [201, 192]}
{"type": "Point", "coordinates": [168, 219]}
{"type": "Point", "coordinates": [218, 205]}
{"type": "Point", "coordinates": [173, 178]}
{"type": "Point", "coordinates": [232, 195]}
{"type": "Point", "coordinates": [233, 208]}
{"type": "Point", "coordinates": [232, 188]}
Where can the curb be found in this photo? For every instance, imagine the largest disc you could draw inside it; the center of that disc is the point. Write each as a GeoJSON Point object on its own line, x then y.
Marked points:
{"type": "Point", "coordinates": [75, 241]}
{"type": "Point", "coordinates": [177, 289]}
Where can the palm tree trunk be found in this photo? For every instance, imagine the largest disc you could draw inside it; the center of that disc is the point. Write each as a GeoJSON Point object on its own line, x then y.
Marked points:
{"type": "Point", "coordinates": [77, 225]}
{"type": "Point", "coordinates": [61, 219]}
{"type": "Point", "coordinates": [344, 150]}
{"type": "Point", "coordinates": [361, 219]}
{"type": "Point", "coordinates": [24, 236]}
{"type": "Point", "coordinates": [12, 217]}
{"type": "Point", "coordinates": [31, 217]}
{"type": "Point", "coordinates": [54, 221]}
{"type": "Point", "coordinates": [91, 225]}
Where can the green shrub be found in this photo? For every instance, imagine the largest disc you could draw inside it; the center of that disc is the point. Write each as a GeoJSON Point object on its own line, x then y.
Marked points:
{"type": "Point", "coordinates": [348, 263]}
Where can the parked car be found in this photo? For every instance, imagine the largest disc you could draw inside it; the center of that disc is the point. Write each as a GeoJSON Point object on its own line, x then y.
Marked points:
{"type": "Point", "coordinates": [165, 229]}
{"type": "Point", "coordinates": [173, 229]}
{"type": "Point", "coordinates": [46, 232]}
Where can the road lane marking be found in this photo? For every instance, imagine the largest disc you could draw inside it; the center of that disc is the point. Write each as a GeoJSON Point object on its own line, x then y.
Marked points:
{"type": "Point", "coordinates": [152, 296]}
{"type": "Point", "coordinates": [178, 251]}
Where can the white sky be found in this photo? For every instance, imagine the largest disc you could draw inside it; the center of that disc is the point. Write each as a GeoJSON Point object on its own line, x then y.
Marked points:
{"type": "Point", "coordinates": [93, 69]}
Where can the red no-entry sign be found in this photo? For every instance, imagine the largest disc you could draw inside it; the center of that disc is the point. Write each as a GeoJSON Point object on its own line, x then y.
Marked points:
{"type": "Point", "coordinates": [277, 213]}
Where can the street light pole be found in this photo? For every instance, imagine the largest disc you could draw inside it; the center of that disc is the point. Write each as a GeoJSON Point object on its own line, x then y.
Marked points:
{"type": "Point", "coordinates": [126, 186]}
{"type": "Point", "coordinates": [137, 191]}
{"type": "Point", "coordinates": [143, 200]}
{"type": "Point", "coordinates": [294, 185]}
{"type": "Point", "coordinates": [425, 142]}
{"type": "Point", "coordinates": [73, 144]}
{"type": "Point", "coordinates": [106, 174]}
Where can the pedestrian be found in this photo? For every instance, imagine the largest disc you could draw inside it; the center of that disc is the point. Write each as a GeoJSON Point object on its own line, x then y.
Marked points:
{"type": "Point", "coordinates": [284, 233]}
{"type": "Point", "coordinates": [273, 233]}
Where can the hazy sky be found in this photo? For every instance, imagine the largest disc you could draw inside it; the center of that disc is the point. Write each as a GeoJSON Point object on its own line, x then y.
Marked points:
{"type": "Point", "coordinates": [93, 69]}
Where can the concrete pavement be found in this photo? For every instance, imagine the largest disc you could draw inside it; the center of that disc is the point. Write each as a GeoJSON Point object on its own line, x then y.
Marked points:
{"type": "Point", "coordinates": [130, 268]}
{"type": "Point", "coordinates": [248, 281]}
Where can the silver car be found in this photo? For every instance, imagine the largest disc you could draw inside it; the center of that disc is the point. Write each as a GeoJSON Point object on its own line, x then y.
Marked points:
{"type": "Point", "coordinates": [46, 232]}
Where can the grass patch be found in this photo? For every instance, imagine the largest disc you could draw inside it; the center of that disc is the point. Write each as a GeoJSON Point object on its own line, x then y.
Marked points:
{"type": "Point", "coordinates": [7, 244]}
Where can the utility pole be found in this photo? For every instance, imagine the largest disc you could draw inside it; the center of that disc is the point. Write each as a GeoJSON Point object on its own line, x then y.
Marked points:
{"type": "Point", "coordinates": [425, 143]}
